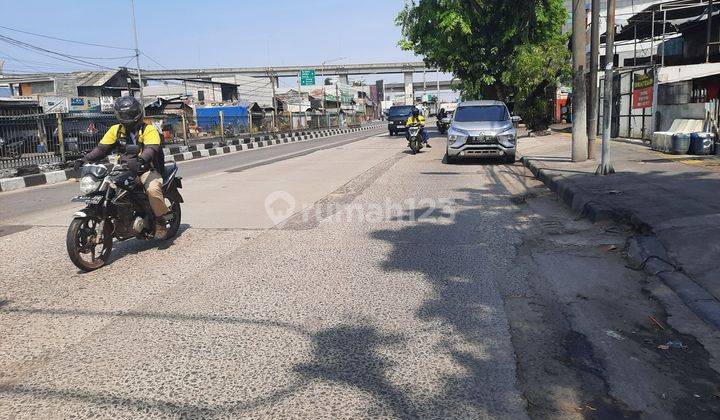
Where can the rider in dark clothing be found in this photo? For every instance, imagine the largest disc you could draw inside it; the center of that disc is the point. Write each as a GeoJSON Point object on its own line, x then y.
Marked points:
{"type": "Point", "coordinates": [147, 166]}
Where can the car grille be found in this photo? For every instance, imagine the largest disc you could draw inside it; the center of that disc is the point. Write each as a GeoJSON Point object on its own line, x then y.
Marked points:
{"type": "Point", "coordinates": [481, 139]}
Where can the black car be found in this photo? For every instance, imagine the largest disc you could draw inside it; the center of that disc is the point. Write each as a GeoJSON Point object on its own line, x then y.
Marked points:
{"type": "Point", "coordinates": [397, 117]}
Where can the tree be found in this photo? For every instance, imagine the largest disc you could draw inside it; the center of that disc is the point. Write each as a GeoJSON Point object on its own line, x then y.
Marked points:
{"type": "Point", "coordinates": [497, 48]}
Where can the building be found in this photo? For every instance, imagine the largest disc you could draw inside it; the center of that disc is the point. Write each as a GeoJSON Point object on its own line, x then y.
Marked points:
{"type": "Point", "coordinates": [111, 83]}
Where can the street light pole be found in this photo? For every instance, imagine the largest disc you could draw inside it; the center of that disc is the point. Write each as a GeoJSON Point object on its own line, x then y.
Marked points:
{"type": "Point", "coordinates": [579, 121]}
{"type": "Point", "coordinates": [137, 57]}
{"type": "Point", "coordinates": [606, 167]}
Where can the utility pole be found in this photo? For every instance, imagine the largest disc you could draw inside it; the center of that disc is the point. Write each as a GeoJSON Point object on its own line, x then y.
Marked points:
{"type": "Point", "coordinates": [137, 57]}
{"type": "Point", "coordinates": [593, 97]}
{"type": "Point", "coordinates": [579, 121]}
{"type": "Point", "coordinates": [339, 101]}
{"type": "Point", "coordinates": [274, 104]}
{"type": "Point", "coordinates": [606, 167]}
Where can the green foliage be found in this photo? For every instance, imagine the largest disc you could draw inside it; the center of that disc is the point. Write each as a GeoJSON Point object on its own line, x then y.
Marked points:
{"type": "Point", "coordinates": [497, 48]}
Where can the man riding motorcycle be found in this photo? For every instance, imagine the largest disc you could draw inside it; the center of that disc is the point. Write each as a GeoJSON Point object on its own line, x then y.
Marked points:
{"type": "Point", "coordinates": [441, 114]}
{"type": "Point", "coordinates": [147, 165]}
{"type": "Point", "coordinates": [416, 119]}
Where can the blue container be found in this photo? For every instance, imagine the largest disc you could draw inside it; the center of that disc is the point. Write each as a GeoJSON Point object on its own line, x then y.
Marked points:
{"type": "Point", "coordinates": [701, 143]}
{"type": "Point", "coordinates": [680, 143]}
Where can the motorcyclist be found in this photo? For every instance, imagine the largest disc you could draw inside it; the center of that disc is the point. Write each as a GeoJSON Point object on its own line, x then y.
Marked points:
{"type": "Point", "coordinates": [416, 119]}
{"type": "Point", "coordinates": [146, 165]}
{"type": "Point", "coordinates": [441, 114]}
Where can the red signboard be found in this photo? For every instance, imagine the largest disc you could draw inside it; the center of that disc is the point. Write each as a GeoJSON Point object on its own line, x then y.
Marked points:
{"type": "Point", "coordinates": [642, 98]}
{"type": "Point", "coordinates": [643, 91]}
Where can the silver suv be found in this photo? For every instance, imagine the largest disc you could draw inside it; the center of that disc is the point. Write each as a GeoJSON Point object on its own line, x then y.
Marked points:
{"type": "Point", "coordinates": [479, 129]}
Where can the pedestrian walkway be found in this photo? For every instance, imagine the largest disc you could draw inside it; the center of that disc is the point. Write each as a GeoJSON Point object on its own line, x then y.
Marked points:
{"type": "Point", "coordinates": [675, 199]}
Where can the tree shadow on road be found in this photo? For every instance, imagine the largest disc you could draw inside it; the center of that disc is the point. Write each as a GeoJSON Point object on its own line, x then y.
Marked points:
{"type": "Point", "coordinates": [348, 355]}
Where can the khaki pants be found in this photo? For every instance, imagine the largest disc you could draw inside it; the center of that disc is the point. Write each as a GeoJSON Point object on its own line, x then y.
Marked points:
{"type": "Point", "coordinates": [152, 181]}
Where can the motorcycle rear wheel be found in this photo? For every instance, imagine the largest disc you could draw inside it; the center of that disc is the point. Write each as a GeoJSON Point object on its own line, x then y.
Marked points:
{"type": "Point", "coordinates": [77, 234]}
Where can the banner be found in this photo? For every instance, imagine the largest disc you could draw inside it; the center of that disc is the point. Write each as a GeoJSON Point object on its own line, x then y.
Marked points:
{"type": "Point", "coordinates": [642, 91]}
{"type": "Point", "coordinates": [106, 103]}
{"type": "Point", "coordinates": [54, 104]}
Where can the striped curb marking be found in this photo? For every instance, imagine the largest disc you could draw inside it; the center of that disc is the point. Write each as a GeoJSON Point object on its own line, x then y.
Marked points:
{"type": "Point", "coordinates": [184, 153]}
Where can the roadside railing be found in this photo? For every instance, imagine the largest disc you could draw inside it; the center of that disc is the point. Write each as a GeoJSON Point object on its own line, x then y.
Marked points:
{"type": "Point", "coordinates": [58, 138]}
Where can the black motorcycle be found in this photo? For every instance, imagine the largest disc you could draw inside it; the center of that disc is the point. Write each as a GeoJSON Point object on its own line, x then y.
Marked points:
{"type": "Point", "coordinates": [117, 208]}
{"type": "Point", "coordinates": [416, 140]}
{"type": "Point", "coordinates": [443, 124]}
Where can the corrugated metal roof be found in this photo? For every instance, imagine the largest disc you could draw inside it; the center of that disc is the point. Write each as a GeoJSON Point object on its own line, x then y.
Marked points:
{"type": "Point", "coordinates": [94, 78]}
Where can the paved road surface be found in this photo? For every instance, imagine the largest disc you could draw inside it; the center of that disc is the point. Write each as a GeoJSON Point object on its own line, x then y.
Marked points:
{"type": "Point", "coordinates": [353, 281]}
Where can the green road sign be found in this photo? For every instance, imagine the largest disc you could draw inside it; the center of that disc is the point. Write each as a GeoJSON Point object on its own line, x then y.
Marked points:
{"type": "Point", "coordinates": [307, 77]}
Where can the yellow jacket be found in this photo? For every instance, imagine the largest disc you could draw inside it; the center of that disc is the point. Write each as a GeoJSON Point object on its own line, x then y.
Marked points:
{"type": "Point", "coordinates": [420, 120]}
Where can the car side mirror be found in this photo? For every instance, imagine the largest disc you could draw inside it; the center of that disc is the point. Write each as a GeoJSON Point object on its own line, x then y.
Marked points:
{"type": "Point", "coordinates": [515, 119]}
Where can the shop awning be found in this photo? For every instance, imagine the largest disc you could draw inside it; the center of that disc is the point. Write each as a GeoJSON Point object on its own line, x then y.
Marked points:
{"type": "Point", "coordinates": [682, 73]}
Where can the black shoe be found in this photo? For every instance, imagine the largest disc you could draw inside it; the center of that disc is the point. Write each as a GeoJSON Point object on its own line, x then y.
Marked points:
{"type": "Point", "coordinates": [428, 145]}
{"type": "Point", "coordinates": [166, 218]}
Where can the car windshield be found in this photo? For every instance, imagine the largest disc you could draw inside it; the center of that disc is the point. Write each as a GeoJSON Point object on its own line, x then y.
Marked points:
{"type": "Point", "coordinates": [400, 111]}
{"type": "Point", "coordinates": [482, 113]}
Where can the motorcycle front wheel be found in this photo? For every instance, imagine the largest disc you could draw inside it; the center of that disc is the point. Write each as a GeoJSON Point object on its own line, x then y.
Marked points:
{"type": "Point", "coordinates": [81, 249]}
{"type": "Point", "coordinates": [174, 207]}
{"type": "Point", "coordinates": [415, 146]}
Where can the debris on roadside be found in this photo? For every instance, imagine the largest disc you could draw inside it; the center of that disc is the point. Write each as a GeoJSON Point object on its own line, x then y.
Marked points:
{"type": "Point", "coordinates": [656, 322]}
{"type": "Point", "coordinates": [675, 344]}
{"type": "Point", "coordinates": [609, 248]}
{"type": "Point", "coordinates": [614, 334]}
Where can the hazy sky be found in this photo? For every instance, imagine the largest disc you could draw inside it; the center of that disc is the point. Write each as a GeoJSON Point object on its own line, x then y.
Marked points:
{"type": "Point", "coordinates": [208, 33]}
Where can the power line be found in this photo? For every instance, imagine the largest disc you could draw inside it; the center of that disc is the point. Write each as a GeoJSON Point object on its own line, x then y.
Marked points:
{"type": "Point", "coordinates": [45, 52]}
{"type": "Point", "coordinates": [65, 40]}
{"type": "Point", "coordinates": [153, 60]}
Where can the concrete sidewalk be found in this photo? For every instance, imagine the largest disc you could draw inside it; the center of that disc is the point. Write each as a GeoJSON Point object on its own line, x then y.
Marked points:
{"type": "Point", "coordinates": [673, 202]}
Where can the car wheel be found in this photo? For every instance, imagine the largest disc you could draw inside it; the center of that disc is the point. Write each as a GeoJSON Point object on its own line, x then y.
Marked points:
{"type": "Point", "coordinates": [449, 160]}
{"type": "Point", "coordinates": [510, 158]}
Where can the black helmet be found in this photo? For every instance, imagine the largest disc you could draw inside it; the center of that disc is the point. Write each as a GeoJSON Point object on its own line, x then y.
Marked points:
{"type": "Point", "coordinates": [127, 109]}
{"type": "Point", "coordinates": [415, 112]}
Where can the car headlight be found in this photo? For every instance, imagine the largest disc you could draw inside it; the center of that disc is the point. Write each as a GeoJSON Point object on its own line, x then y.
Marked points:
{"type": "Point", "coordinates": [454, 136]}
{"type": "Point", "coordinates": [507, 139]}
{"type": "Point", "coordinates": [89, 185]}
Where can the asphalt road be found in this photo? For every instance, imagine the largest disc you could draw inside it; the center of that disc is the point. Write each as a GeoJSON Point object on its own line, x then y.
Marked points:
{"type": "Point", "coordinates": [29, 200]}
{"type": "Point", "coordinates": [354, 281]}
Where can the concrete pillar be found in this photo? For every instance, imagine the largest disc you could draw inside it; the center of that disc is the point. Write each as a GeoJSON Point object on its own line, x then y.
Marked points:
{"type": "Point", "coordinates": [343, 78]}
{"type": "Point", "coordinates": [409, 94]}
{"type": "Point", "coordinates": [275, 81]}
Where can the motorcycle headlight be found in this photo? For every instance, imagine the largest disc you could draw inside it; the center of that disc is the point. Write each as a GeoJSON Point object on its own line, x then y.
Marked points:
{"type": "Point", "coordinates": [89, 185]}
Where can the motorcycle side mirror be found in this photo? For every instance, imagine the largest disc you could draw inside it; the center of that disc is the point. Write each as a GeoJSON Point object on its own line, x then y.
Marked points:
{"type": "Point", "coordinates": [515, 118]}
{"type": "Point", "coordinates": [132, 149]}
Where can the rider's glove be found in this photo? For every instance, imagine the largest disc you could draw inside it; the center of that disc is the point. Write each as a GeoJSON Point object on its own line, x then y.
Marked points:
{"type": "Point", "coordinates": [79, 163]}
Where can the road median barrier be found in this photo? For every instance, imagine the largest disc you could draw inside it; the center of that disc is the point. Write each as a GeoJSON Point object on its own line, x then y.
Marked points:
{"type": "Point", "coordinates": [176, 153]}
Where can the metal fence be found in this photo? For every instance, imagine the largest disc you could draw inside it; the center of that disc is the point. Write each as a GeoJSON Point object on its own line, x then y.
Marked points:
{"type": "Point", "coordinates": [626, 121]}
{"type": "Point", "coordinates": [35, 139]}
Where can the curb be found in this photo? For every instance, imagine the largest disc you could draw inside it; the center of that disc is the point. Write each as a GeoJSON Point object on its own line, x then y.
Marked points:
{"type": "Point", "coordinates": [644, 251]}
{"type": "Point", "coordinates": [185, 153]}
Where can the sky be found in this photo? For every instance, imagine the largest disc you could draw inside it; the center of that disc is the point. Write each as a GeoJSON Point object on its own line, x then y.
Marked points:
{"type": "Point", "coordinates": [208, 33]}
